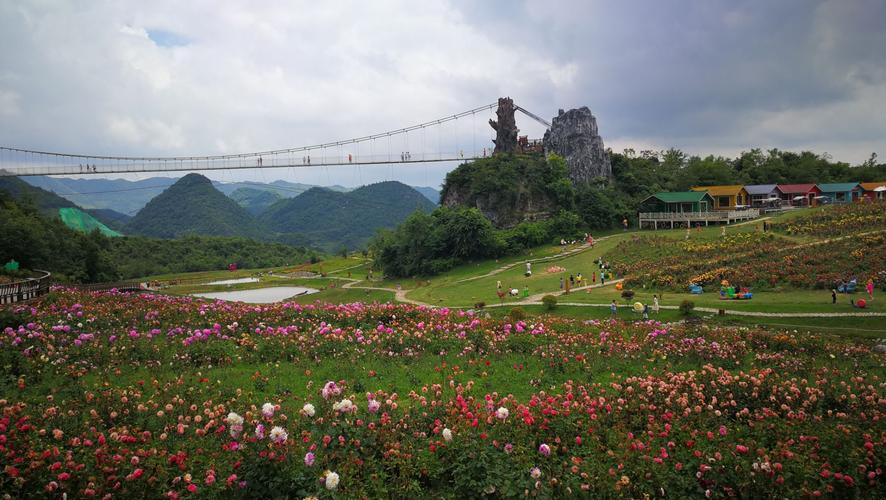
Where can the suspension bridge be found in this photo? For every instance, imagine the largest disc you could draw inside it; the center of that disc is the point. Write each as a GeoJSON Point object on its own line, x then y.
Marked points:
{"type": "Point", "coordinates": [438, 140]}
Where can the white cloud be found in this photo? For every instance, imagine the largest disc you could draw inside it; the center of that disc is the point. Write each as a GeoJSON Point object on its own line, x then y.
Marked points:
{"type": "Point", "coordinates": [86, 77]}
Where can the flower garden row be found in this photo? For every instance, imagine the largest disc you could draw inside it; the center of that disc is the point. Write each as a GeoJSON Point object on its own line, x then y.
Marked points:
{"type": "Point", "coordinates": [749, 259]}
{"type": "Point", "coordinates": [628, 409]}
{"type": "Point", "coordinates": [838, 220]}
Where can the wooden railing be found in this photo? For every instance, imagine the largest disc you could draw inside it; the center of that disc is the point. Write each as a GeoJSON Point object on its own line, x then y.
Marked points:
{"type": "Point", "coordinates": [123, 286]}
{"type": "Point", "coordinates": [694, 216]}
{"type": "Point", "coordinates": [20, 291]}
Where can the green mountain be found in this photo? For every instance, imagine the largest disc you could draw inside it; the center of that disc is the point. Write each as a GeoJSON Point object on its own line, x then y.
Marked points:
{"type": "Point", "coordinates": [193, 206]}
{"type": "Point", "coordinates": [45, 201]}
{"type": "Point", "coordinates": [122, 195]}
{"type": "Point", "coordinates": [111, 218]}
{"type": "Point", "coordinates": [335, 219]}
{"type": "Point", "coordinates": [430, 193]}
{"type": "Point", "coordinates": [255, 201]}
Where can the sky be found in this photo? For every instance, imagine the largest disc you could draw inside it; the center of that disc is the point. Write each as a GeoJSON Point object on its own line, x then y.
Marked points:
{"type": "Point", "coordinates": [227, 76]}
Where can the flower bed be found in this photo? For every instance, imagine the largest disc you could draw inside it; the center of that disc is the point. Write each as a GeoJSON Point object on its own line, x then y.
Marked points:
{"type": "Point", "coordinates": [148, 395]}
{"type": "Point", "coordinates": [750, 259]}
{"type": "Point", "coordinates": [838, 220]}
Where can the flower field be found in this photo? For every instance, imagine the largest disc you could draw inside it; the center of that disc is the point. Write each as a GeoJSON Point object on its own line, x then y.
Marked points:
{"type": "Point", "coordinates": [838, 220]}
{"type": "Point", "coordinates": [763, 262]}
{"type": "Point", "coordinates": [119, 395]}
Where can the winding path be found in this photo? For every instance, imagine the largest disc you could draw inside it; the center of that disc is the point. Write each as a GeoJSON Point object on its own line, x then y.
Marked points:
{"type": "Point", "coordinates": [535, 299]}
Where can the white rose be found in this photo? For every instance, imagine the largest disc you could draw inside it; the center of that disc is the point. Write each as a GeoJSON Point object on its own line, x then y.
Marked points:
{"type": "Point", "coordinates": [308, 409]}
{"type": "Point", "coordinates": [447, 435]}
{"type": "Point", "coordinates": [331, 481]}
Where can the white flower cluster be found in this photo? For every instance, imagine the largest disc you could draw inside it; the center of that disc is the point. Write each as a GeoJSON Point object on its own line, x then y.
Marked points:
{"type": "Point", "coordinates": [345, 406]}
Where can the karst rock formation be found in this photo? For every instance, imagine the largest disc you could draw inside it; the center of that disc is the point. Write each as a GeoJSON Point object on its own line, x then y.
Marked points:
{"type": "Point", "coordinates": [506, 127]}
{"type": "Point", "coordinates": [574, 136]}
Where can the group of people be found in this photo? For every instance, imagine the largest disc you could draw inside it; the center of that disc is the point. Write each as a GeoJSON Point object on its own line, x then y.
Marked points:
{"type": "Point", "coordinates": [89, 168]}
{"type": "Point", "coordinates": [513, 292]}
{"type": "Point", "coordinates": [613, 308]}
{"type": "Point", "coordinates": [843, 286]}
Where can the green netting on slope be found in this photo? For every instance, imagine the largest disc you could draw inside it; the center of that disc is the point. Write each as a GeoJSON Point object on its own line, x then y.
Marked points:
{"type": "Point", "coordinates": [79, 220]}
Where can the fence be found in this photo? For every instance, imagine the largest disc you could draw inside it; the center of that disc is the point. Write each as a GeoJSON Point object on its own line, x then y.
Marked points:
{"type": "Point", "coordinates": [30, 288]}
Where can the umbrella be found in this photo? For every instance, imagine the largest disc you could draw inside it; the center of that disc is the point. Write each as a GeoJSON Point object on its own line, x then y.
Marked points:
{"type": "Point", "coordinates": [880, 189]}
{"type": "Point", "coordinates": [799, 198]}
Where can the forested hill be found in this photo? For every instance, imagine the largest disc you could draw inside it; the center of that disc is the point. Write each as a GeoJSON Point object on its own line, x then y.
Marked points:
{"type": "Point", "coordinates": [193, 206]}
{"type": "Point", "coordinates": [334, 220]}
{"type": "Point", "coordinates": [45, 201]}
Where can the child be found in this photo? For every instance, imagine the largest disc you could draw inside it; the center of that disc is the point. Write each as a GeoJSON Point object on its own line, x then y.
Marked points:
{"type": "Point", "coordinates": [613, 309]}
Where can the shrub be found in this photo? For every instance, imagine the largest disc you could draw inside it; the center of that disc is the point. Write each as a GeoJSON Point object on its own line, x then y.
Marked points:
{"type": "Point", "coordinates": [517, 314]}
{"type": "Point", "coordinates": [549, 301]}
{"type": "Point", "coordinates": [686, 307]}
{"type": "Point", "coordinates": [627, 294]}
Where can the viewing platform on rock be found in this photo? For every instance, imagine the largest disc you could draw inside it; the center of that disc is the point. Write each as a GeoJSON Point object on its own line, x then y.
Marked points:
{"type": "Point", "coordinates": [671, 220]}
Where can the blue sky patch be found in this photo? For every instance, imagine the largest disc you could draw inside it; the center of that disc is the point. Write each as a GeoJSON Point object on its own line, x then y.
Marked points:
{"type": "Point", "coordinates": [165, 38]}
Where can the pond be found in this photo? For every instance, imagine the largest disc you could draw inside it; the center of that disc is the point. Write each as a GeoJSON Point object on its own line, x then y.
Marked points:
{"type": "Point", "coordinates": [233, 281]}
{"type": "Point", "coordinates": [259, 295]}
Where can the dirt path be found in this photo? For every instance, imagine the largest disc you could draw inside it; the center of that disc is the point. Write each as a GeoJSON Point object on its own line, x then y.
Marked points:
{"type": "Point", "coordinates": [399, 295]}
{"type": "Point", "coordinates": [575, 251]}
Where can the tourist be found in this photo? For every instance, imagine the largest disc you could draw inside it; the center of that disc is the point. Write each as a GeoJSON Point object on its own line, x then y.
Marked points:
{"type": "Point", "coordinates": [655, 304]}
{"type": "Point", "coordinates": [833, 295]}
{"type": "Point", "coordinates": [594, 277]}
{"type": "Point", "coordinates": [602, 278]}
{"type": "Point", "coordinates": [579, 279]}
{"type": "Point", "coordinates": [870, 288]}
{"type": "Point", "coordinates": [525, 291]}
{"type": "Point", "coordinates": [613, 309]}
{"type": "Point", "coordinates": [624, 223]}
{"type": "Point", "coordinates": [498, 284]}
{"type": "Point", "coordinates": [561, 283]}
{"type": "Point", "coordinates": [645, 311]}
{"type": "Point", "coordinates": [572, 280]}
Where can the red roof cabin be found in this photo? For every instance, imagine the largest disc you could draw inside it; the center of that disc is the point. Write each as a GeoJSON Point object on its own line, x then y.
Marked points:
{"type": "Point", "coordinates": [799, 195]}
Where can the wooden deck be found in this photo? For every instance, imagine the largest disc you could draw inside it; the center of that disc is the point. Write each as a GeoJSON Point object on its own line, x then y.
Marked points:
{"type": "Point", "coordinates": [670, 220]}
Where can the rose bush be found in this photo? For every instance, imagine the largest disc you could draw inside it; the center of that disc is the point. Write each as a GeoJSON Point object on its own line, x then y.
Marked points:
{"type": "Point", "coordinates": [113, 395]}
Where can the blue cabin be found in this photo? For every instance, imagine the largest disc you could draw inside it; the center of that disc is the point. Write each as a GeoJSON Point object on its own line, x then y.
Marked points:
{"type": "Point", "coordinates": [841, 192]}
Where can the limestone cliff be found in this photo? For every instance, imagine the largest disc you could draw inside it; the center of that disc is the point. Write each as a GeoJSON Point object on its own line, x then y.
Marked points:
{"type": "Point", "coordinates": [574, 136]}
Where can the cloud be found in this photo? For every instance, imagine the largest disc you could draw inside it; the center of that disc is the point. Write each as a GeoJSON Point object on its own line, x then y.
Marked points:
{"type": "Point", "coordinates": [171, 78]}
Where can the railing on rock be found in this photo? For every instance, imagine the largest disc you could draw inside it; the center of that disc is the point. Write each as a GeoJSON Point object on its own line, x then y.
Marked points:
{"type": "Point", "coordinates": [24, 290]}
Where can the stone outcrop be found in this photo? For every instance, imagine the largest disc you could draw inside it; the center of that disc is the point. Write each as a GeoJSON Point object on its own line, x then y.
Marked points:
{"type": "Point", "coordinates": [506, 127]}
{"type": "Point", "coordinates": [574, 136]}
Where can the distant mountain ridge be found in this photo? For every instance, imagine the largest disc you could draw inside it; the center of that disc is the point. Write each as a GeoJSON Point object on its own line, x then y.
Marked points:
{"type": "Point", "coordinates": [128, 197]}
{"type": "Point", "coordinates": [336, 220]}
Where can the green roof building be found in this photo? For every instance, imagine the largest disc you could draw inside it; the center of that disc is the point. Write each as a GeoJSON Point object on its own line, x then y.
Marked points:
{"type": "Point", "coordinates": [678, 202]}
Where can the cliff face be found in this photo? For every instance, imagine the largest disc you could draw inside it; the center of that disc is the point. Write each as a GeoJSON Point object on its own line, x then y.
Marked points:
{"type": "Point", "coordinates": [504, 210]}
{"type": "Point", "coordinates": [507, 188]}
{"type": "Point", "coordinates": [574, 136]}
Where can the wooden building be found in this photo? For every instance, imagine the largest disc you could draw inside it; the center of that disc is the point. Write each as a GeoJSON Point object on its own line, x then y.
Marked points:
{"type": "Point", "coordinates": [841, 192]}
{"type": "Point", "coordinates": [726, 197]}
{"type": "Point", "coordinates": [873, 190]}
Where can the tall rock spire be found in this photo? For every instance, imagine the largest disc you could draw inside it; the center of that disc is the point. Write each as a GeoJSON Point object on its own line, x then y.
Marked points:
{"type": "Point", "coordinates": [574, 136]}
